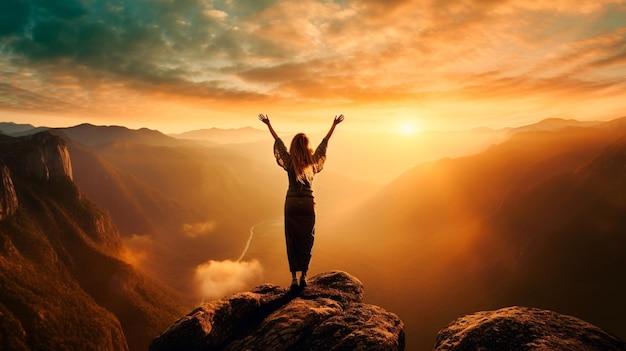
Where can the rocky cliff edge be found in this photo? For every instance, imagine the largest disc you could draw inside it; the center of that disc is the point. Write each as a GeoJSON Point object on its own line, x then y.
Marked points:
{"type": "Point", "coordinates": [327, 315]}
{"type": "Point", "coordinates": [40, 156]}
{"type": "Point", "coordinates": [525, 328]}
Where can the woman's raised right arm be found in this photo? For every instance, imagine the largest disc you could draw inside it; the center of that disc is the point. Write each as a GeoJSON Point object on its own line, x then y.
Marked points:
{"type": "Point", "coordinates": [337, 120]}
{"type": "Point", "coordinates": [266, 119]}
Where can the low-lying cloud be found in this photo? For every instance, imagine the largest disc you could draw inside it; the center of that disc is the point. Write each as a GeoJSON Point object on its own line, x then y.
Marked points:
{"type": "Point", "coordinates": [194, 230]}
{"type": "Point", "coordinates": [218, 278]}
{"type": "Point", "coordinates": [136, 250]}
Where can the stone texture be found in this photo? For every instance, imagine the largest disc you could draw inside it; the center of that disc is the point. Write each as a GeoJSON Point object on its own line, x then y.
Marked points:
{"type": "Point", "coordinates": [327, 315]}
{"type": "Point", "coordinates": [41, 156]}
{"type": "Point", "coordinates": [524, 329]}
{"type": "Point", "coordinates": [8, 197]}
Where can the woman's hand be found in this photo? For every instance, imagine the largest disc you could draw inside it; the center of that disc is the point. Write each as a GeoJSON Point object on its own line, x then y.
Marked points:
{"type": "Point", "coordinates": [265, 119]}
{"type": "Point", "coordinates": [338, 119]}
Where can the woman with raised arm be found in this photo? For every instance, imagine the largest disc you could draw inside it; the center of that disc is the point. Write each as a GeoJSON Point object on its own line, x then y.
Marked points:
{"type": "Point", "coordinates": [301, 164]}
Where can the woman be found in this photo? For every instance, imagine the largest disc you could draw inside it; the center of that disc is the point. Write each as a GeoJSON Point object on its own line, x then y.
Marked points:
{"type": "Point", "coordinates": [301, 164]}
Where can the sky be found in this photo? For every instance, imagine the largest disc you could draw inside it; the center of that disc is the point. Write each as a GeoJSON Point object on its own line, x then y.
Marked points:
{"type": "Point", "coordinates": [398, 65]}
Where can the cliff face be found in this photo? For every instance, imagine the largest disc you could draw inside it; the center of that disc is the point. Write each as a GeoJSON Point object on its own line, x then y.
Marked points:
{"type": "Point", "coordinates": [522, 328]}
{"type": "Point", "coordinates": [8, 197]}
{"type": "Point", "coordinates": [327, 315]}
{"type": "Point", "coordinates": [63, 285]}
{"type": "Point", "coordinates": [41, 156]}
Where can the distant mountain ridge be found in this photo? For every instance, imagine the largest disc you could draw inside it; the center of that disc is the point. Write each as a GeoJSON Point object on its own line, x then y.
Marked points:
{"type": "Point", "coordinates": [95, 135]}
{"type": "Point", "coordinates": [224, 136]}
{"type": "Point", "coordinates": [92, 135]}
{"type": "Point", "coordinates": [554, 124]}
{"type": "Point", "coordinates": [16, 129]}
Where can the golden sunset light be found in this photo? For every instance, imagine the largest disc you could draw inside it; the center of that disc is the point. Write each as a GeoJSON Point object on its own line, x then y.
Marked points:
{"type": "Point", "coordinates": [408, 128]}
{"type": "Point", "coordinates": [183, 65]}
{"type": "Point", "coordinates": [312, 175]}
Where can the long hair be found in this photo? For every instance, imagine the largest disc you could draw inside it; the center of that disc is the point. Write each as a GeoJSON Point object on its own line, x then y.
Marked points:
{"type": "Point", "coordinates": [302, 158]}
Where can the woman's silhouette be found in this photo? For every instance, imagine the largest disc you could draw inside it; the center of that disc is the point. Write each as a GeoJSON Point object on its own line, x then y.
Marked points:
{"type": "Point", "coordinates": [301, 164]}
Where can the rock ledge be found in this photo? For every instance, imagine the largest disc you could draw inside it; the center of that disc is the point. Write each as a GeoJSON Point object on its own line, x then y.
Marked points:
{"type": "Point", "coordinates": [327, 315]}
{"type": "Point", "coordinates": [524, 328]}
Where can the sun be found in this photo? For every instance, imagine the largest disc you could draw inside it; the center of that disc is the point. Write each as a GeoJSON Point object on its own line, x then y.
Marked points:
{"type": "Point", "coordinates": [408, 128]}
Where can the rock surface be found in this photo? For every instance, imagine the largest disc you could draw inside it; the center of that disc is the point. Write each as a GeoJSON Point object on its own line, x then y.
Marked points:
{"type": "Point", "coordinates": [8, 197]}
{"type": "Point", "coordinates": [523, 328]}
{"type": "Point", "coordinates": [41, 156]}
{"type": "Point", "coordinates": [327, 315]}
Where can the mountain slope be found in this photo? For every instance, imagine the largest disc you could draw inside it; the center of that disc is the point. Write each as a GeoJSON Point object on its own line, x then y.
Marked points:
{"type": "Point", "coordinates": [426, 247]}
{"type": "Point", "coordinates": [563, 241]}
{"type": "Point", "coordinates": [64, 286]}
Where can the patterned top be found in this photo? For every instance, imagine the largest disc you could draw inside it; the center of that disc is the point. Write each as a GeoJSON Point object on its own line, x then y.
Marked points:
{"type": "Point", "coordinates": [283, 159]}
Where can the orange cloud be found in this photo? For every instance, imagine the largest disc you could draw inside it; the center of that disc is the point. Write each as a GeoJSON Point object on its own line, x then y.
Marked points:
{"type": "Point", "coordinates": [195, 230]}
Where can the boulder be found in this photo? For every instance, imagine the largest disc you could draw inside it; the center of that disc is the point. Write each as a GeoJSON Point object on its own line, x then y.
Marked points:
{"type": "Point", "coordinates": [527, 329]}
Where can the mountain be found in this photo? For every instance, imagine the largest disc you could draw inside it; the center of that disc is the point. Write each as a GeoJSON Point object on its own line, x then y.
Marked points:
{"type": "Point", "coordinates": [327, 315]}
{"type": "Point", "coordinates": [10, 128]}
{"type": "Point", "coordinates": [525, 222]}
{"type": "Point", "coordinates": [224, 136]}
{"type": "Point", "coordinates": [523, 328]}
{"type": "Point", "coordinates": [553, 125]}
{"type": "Point", "coordinates": [562, 241]}
{"type": "Point", "coordinates": [92, 135]}
{"type": "Point", "coordinates": [64, 284]}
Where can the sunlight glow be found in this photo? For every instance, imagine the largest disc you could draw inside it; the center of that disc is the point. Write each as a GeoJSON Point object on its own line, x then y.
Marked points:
{"type": "Point", "coordinates": [408, 128]}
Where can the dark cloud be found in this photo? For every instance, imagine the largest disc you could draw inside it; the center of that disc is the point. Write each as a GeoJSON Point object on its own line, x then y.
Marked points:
{"type": "Point", "coordinates": [64, 9]}
{"type": "Point", "coordinates": [151, 40]}
{"type": "Point", "coordinates": [14, 16]}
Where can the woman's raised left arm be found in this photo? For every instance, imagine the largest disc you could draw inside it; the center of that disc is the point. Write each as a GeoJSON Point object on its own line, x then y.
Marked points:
{"type": "Point", "coordinates": [266, 119]}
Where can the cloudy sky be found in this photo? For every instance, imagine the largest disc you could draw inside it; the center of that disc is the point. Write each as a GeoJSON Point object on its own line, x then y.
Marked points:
{"type": "Point", "coordinates": [177, 65]}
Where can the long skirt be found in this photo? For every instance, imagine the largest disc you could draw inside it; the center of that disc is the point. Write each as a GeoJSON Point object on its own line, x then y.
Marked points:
{"type": "Point", "coordinates": [299, 231]}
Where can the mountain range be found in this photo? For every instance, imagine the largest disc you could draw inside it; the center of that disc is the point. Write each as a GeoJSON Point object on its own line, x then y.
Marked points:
{"type": "Point", "coordinates": [535, 219]}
